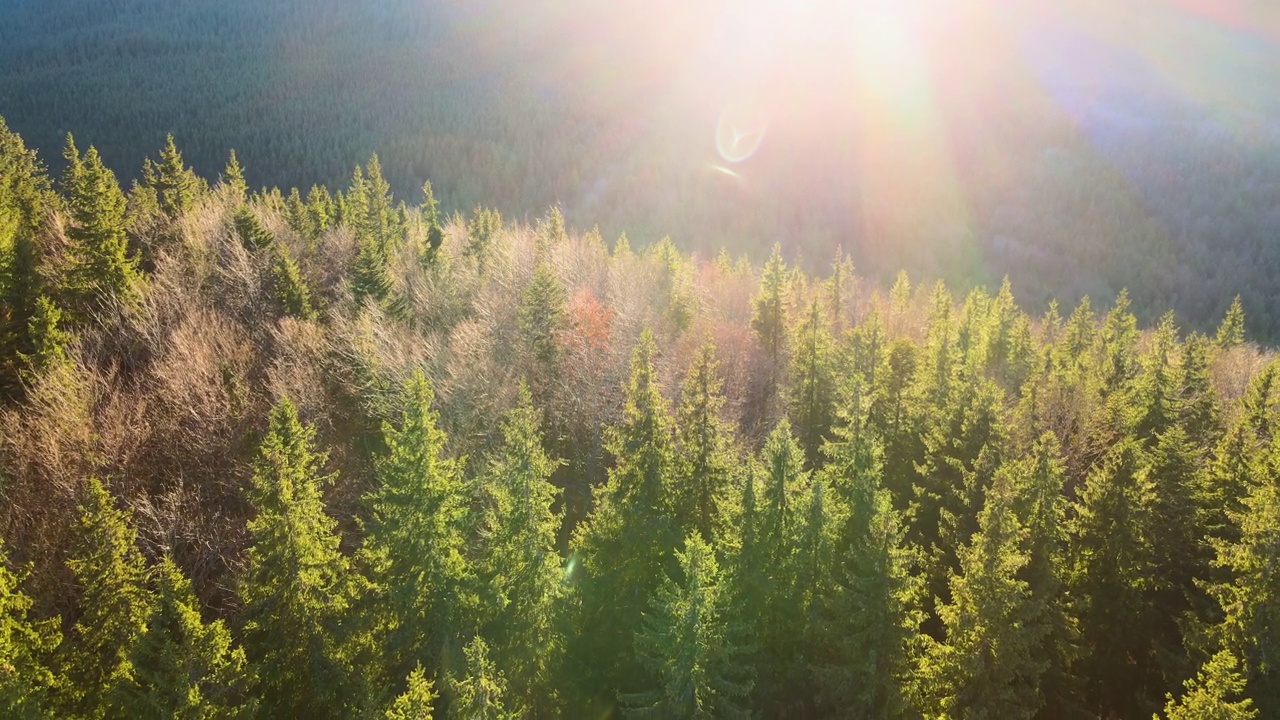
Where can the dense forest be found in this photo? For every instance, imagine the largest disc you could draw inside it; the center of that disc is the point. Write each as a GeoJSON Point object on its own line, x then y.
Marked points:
{"type": "Point", "coordinates": [335, 455]}
{"type": "Point", "coordinates": [1078, 147]}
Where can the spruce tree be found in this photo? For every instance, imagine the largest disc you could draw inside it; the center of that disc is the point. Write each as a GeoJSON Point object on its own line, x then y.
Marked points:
{"type": "Point", "coordinates": [297, 587]}
{"type": "Point", "coordinates": [706, 460]}
{"type": "Point", "coordinates": [542, 318]}
{"type": "Point", "coordinates": [291, 294]}
{"type": "Point", "coordinates": [25, 193]}
{"type": "Point", "coordinates": [49, 342]}
{"type": "Point", "coordinates": [480, 693]}
{"type": "Point", "coordinates": [417, 702]}
{"type": "Point", "coordinates": [371, 274]}
{"type": "Point", "coordinates": [1231, 331]}
{"type": "Point", "coordinates": [989, 665]}
{"type": "Point", "coordinates": [414, 539]}
{"type": "Point", "coordinates": [182, 666]}
{"type": "Point", "coordinates": [176, 185]}
{"type": "Point", "coordinates": [233, 179]}
{"type": "Point", "coordinates": [625, 544]}
{"type": "Point", "coordinates": [100, 266]}
{"type": "Point", "coordinates": [250, 230]}
{"type": "Point", "coordinates": [431, 221]}
{"type": "Point", "coordinates": [689, 647]}
{"type": "Point", "coordinates": [813, 384]}
{"type": "Point", "coordinates": [320, 207]}
{"type": "Point", "coordinates": [869, 617]}
{"type": "Point", "coordinates": [769, 321]}
{"type": "Point", "coordinates": [1249, 594]}
{"type": "Point", "coordinates": [1111, 569]}
{"type": "Point", "coordinates": [482, 228]}
{"type": "Point", "coordinates": [27, 682]}
{"type": "Point", "coordinates": [113, 608]}
{"type": "Point", "coordinates": [520, 568]}
{"type": "Point", "coordinates": [1215, 693]}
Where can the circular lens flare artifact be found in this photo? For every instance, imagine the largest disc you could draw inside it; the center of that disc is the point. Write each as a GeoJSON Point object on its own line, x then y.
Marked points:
{"type": "Point", "coordinates": [740, 132]}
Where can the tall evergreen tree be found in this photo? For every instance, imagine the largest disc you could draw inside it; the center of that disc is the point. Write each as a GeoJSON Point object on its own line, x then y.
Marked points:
{"type": "Point", "coordinates": [542, 318]}
{"type": "Point", "coordinates": [813, 384]}
{"type": "Point", "coordinates": [689, 646]}
{"type": "Point", "coordinates": [769, 321]}
{"type": "Point", "coordinates": [1231, 331]}
{"type": "Point", "coordinates": [100, 265]}
{"type": "Point", "coordinates": [1111, 571]}
{"type": "Point", "coordinates": [1249, 595]}
{"type": "Point", "coordinates": [869, 617]}
{"type": "Point", "coordinates": [250, 230]}
{"type": "Point", "coordinates": [371, 274]}
{"type": "Point", "coordinates": [625, 544]}
{"type": "Point", "coordinates": [431, 220]}
{"type": "Point", "coordinates": [176, 185]}
{"type": "Point", "coordinates": [414, 539]}
{"type": "Point", "coordinates": [706, 460]}
{"type": "Point", "coordinates": [990, 665]}
{"type": "Point", "coordinates": [113, 609]}
{"type": "Point", "coordinates": [1214, 694]}
{"type": "Point", "coordinates": [233, 178]}
{"type": "Point", "coordinates": [296, 589]}
{"type": "Point", "coordinates": [27, 682]}
{"type": "Point", "coordinates": [25, 193]}
{"type": "Point", "coordinates": [520, 568]}
{"type": "Point", "coordinates": [182, 666]}
{"type": "Point", "coordinates": [291, 294]}
{"type": "Point", "coordinates": [417, 702]}
{"type": "Point", "coordinates": [481, 693]}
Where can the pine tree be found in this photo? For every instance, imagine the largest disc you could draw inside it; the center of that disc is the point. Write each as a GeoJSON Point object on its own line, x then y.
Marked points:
{"type": "Point", "coordinates": [1079, 331]}
{"type": "Point", "coordinates": [414, 538]}
{"type": "Point", "coordinates": [841, 287]}
{"type": "Point", "coordinates": [485, 225]}
{"type": "Point", "coordinates": [25, 193]}
{"type": "Point", "coordinates": [320, 207]}
{"type": "Point", "coordinates": [1231, 331]}
{"type": "Point", "coordinates": [100, 265]}
{"type": "Point", "coordinates": [1249, 595]}
{"type": "Point", "coordinates": [689, 647]}
{"type": "Point", "coordinates": [1112, 564]}
{"type": "Point", "coordinates": [27, 683]}
{"type": "Point", "coordinates": [371, 210]}
{"type": "Point", "coordinates": [989, 666]}
{"type": "Point", "coordinates": [113, 608]}
{"type": "Point", "coordinates": [417, 702]}
{"type": "Point", "coordinates": [542, 318]}
{"type": "Point", "coordinates": [371, 275]}
{"type": "Point", "coordinates": [49, 342]}
{"type": "Point", "coordinates": [1154, 393]}
{"type": "Point", "coordinates": [869, 617]}
{"type": "Point", "coordinates": [769, 320]}
{"type": "Point", "coordinates": [296, 589]}
{"type": "Point", "coordinates": [1038, 481]}
{"type": "Point", "coordinates": [520, 568]}
{"type": "Point", "coordinates": [1197, 404]}
{"type": "Point", "coordinates": [290, 290]}
{"type": "Point", "coordinates": [175, 184]}
{"type": "Point", "coordinates": [706, 461]}
{"type": "Point", "coordinates": [431, 221]}
{"type": "Point", "coordinates": [1214, 694]}
{"type": "Point", "coordinates": [250, 230]}
{"type": "Point", "coordinates": [626, 542]}
{"type": "Point", "coordinates": [813, 384]}
{"type": "Point", "coordinates": [298, 215]}
{"type": "Point", "coordinates": [481, 693]}
{"type": "Point", "coordinates": [233, 178]}
{"type": "Point", "coordinates": [182, 666]}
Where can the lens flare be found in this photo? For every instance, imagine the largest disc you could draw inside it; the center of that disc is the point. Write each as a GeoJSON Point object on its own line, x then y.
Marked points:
{"type": "Point", "coordinates": [740, 132]}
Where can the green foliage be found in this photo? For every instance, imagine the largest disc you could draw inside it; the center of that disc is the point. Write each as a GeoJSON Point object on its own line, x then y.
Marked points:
{"type": "Point", "coordinates": [371, 274]}
{"type": "Point", "coordinates": [296, 588]}
{"type": "Point", "coordinates": [49, 342]}
{"type": "Point", "coordinates": [480, 694]}
{"type": "Point", "coordinates": [484, 225]}
{"type": "Point", "coordinates": [100, 266]}
{"type": "Point", "coordinates": [542, 319]}
{"type": "Point", "coordinates": [1213, 694]}
{"type": "Point", "coordinates": [113, 609]}
{"type": "Point", "coordinates": [417, 702]}
{"type": "Point", "coordinates": [290, 290]}
{"type": "Point", "coordinates": [233, 178]}
{"type": "Point", "coordinates": [176, 185]}
{"type": "Point", "coordinates": [769, 309]}
{"type": "Point", "coordinates": [625, 544]}
{"type": "Point", "coordinates": [250, 230]}
{"type": "Point", "coordinates": [26, 680]}
{"type": "Point", "coordinates": [1231, 331]}
{"type": "Point", "coordinates": [182, 666]}
{"type": "Point", "coordinates": [520, 568]}
{"type": "Point", "coordinates": [706, 459]}
{"type": "Point", "coordinates": [431, 221]}
{"type": "Point", "coordinates": [689, 646]}
{"type": "Point", "coordinates": [812, 396]}
{"type": "Point", "coordinates": [25, 194]}
{"type": "Point", "coordinates": [989, 666]}
{"type": "Point", "coordinates": [414, 539]}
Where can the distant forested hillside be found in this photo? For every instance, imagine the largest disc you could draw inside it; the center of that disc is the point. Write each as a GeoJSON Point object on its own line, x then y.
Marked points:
{"type": "Point", "coordinates": [1073, 151]}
